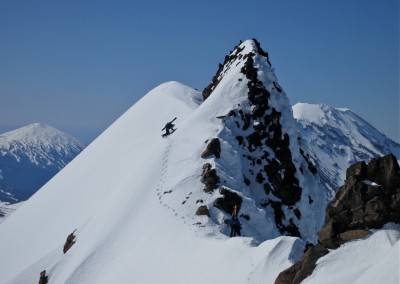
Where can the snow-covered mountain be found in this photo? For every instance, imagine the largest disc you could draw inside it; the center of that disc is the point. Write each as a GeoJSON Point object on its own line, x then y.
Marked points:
{"type": "Point", "coordinates": [30, 156]}
{"type": "Point", "coordinates": [148, 209]}
{"type": "Point", "coordinates": [338, 138]}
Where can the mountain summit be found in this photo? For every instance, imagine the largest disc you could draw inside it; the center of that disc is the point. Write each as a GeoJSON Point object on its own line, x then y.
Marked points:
{"type": "Point", "coordinates": [30, 156]}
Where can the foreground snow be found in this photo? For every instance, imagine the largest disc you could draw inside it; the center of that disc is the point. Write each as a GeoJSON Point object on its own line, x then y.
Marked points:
{"type": "Point", "coordinates": [374, 259]}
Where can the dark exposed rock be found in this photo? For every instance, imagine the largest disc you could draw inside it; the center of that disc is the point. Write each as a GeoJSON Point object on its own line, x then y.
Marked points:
{"type": "Point", "coordinates": [239, 139]}
{"type": "Point", "coordinates": [384, 171]}
{"type": "Point", "coordinates": [209, 177]}
{"type": "Point", "coordinates": [44, 279]}
{"type": "Point", "coordinates": [218, 76]}
{"type": "Point", "coordinates": [353, 234]}
{"type": "Point", "coordinates": [213, 148]}
{"type": "Point", "coordinates": [368, 199]}
{"type": "Point", "coordinates": [203, 210]}
{"type": "Point", "coordinates": [358, 170]}
{"type": "Point", "coordinates": [228, 200]}
{"type": "Point", "coordinates": [361, 204]}
{"type": "Point", "coordinates": [69, 242]}
{"type": "Point", "coordinates": [303, 268]}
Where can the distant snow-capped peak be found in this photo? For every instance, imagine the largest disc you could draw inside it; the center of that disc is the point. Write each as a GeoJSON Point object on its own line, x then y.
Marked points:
{"type": "Point", "coordinates": [337, 138]}
{"type": "Point", "coordinates": [39, 143]}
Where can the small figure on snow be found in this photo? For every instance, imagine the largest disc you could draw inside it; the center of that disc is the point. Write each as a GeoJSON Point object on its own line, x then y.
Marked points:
{"type": "Point", "coordinates": [169, 127]}
{"type": "Point", "coordinates": [235, 226]}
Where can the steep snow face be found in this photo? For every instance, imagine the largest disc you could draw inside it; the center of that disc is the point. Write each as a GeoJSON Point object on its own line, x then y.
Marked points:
{"type": "Point", "coordinates": [35, 152]}
{"type": "Point", "coordinates": [338, 138]}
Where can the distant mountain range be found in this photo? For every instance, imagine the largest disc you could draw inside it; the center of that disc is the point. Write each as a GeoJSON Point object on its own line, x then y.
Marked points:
{"type": "Point", "coordinates": [30, 156]}
{"type": "Point", "coordinates": [337, 138]}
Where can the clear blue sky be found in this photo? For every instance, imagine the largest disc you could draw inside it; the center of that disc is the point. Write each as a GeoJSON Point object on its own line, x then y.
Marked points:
{"type": "Point", "coordinates": [79, 65]}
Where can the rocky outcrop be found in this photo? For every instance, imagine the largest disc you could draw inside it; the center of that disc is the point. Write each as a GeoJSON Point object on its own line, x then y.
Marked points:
{"type": "Point", "coordinates": [368, 199]}
{"type": "Point", "coordinates": [44, 279]}
{"type": "Point", "coordinates": [228, 200]}
{"type": "Point", "coordinates": [69, 242]}
{"type": "Point", "coordinates": [203, 211]}
{"type": "Point", "coordinates": [213, 148]}
{"type": "Point", "coordinates": [209, 177]}
{"type": "Point", "coordinates": [303, 268]}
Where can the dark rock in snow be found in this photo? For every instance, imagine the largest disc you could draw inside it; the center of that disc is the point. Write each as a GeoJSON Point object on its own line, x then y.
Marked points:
{"type": "Point", "coordinates": [69, 242]}
{"type": "Point", "coordinates": [303, 268]}
{"type": "Point", "coordinates": [209, 177]}
{"type": "Point", "coordinates": [368, 199]}
{"type": "Point", "coordinates": [213, 148]}
{"type": "Point", "coordinates": [203, 210]}
{"type": "Point", "coordinates": [228, 201]}
{"type": "Point", "coordinates": [44, 279]}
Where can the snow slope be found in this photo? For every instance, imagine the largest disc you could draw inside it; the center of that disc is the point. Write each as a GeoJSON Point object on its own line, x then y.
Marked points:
{"type": "Point", "coordinates": [126, 232]}
{"type": "Point", "coordinates": [338, 138]}
{"type": "Point", "coordinates": [132, 196]}
{"type": "Point", "coordinates": [30, 156]}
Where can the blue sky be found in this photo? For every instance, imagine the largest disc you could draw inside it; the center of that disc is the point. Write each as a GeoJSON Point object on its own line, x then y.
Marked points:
{"type": "Point", "coordinates": [79, 65]}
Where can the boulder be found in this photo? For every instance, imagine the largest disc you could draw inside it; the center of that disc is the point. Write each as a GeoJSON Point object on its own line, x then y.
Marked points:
{"type": "Point", "coordinates": [69, 242]}
{"type": "Point", "coordinates": [44, 279]}
{"type": "Point", "coordinates": [303, 268]}
{"type": "Point", "coordinates": [209, 177]}
{"type": "Point", "coordinates": [213, 148]}
{"type": "Point", "coordinates": [203, 210]}
{"type": "Point", "coordinates": [358, 205]}
{"type": "Point", "coordinates": [358, 170]}
{"type": "Point", "coordinates": [228, 201]}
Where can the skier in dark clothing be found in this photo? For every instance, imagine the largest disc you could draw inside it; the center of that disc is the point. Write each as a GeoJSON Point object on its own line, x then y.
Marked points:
{"type": "Point", "coordinates": [235, 226]}
{"type": "Point", "coordinates": [169, 127]}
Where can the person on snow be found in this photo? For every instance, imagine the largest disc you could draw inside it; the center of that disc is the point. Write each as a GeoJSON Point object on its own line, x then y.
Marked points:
{"type": "Point", "coordinates": [169, 127]}
{"type": "Point", "coordinates": [235, 226]}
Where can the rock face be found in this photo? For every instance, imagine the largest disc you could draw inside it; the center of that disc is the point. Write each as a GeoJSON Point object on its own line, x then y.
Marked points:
{"type": "Point", "coordinates": [209, 177]}
{"type": "Point", "coordinates": [260, 131]}
{"type": "Point", "coordinates": [368, 199]}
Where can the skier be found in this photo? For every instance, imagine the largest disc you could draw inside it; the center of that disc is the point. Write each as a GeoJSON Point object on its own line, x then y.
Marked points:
{"type": "Point", "coordinates": [169, 127]}
{"type": "Point", "coordinates": [235, 226]}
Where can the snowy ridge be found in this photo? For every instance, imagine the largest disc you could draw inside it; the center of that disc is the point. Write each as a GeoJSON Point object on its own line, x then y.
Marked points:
{"type": "Point", "coordinates": [132, 196]}
{"type": "Point", "coordinates": [338, 138]}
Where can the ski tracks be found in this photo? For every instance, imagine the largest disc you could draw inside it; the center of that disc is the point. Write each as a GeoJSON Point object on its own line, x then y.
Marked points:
{"type": "Point", "coordinates": [163, 189]}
